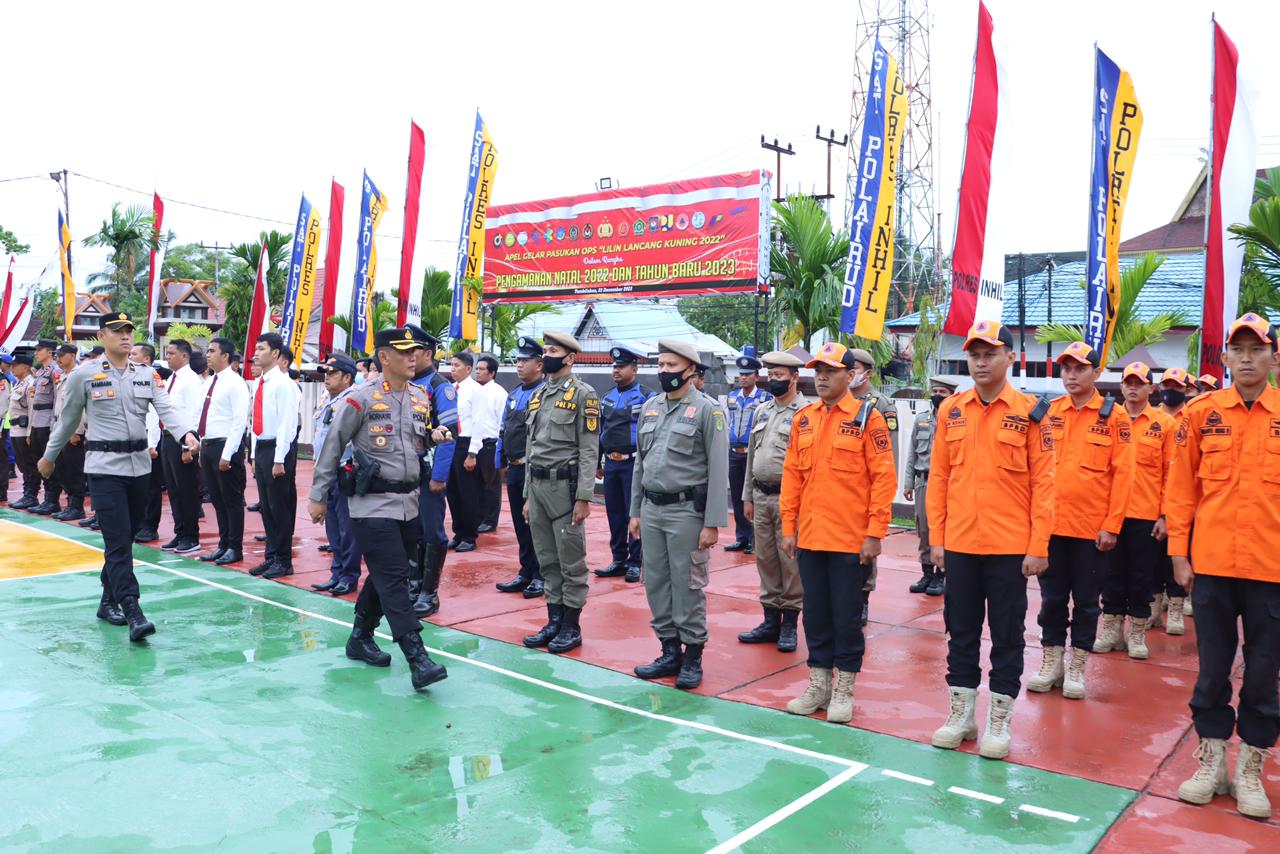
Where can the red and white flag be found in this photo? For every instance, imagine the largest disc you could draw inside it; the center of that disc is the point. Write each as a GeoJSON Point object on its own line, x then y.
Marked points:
{"type": "Point", "coordinates": [8, 296]}
{"type": "Point", "coordinates": [259, 318]}
{"type": "Point", "coordinates": [157, 261]}
{"type": "Point", "coordinates": [1233, 157]}
{"type": "Point", "coordinates": [977, 261]}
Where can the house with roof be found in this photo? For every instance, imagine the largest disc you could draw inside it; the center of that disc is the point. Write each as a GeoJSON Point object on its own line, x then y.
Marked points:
{"type": "Point", "coordinates": [189, 301]}
{"type": "Point", "coordinates": [636, 324]}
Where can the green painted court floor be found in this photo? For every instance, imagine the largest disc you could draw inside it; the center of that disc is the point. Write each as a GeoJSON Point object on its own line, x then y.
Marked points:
{"type": "Point", "coordinates": [241, 726]}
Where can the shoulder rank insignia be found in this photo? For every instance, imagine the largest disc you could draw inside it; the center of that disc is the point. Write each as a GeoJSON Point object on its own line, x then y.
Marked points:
{"type": "Point", "coordinates": [377, 395]}
{"type": "Point", "coordinates": [386, 386]}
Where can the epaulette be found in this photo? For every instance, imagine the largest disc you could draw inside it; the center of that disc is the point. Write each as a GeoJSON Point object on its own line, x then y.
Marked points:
{"type": "Point", "coordinates": [1040, 410]}
{"type": "Point", "coordinates": [1108, 406]}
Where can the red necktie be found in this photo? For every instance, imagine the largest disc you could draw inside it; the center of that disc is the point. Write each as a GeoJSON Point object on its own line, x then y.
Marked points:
{"type": "Point", "coordinates": [257, 407]}
{"type": "Point", "coordinates": [208, 398]}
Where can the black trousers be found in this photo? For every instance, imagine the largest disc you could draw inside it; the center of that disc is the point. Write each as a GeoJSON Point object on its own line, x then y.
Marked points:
{"type": "Point", "coordinates": [742, 529]}
{"type": "Point", "coordinates": [155, 496]}
{"type": "Point", "coordinates": [5, 451]}
{"type": "Point", "coordinates": [184, 494]}
{"type": "Point", "coordinates": [278, 499]}
{"type": "Point", "coordinates": [1219, 602]}
{"type": "Point", "coordinates": [386, 545]}
{"type": "Point", "coordinates": [1131, 570]}
{"type": "Point", "coordinates": [26, 465]}
{"type": "Point", "coordinates": [1076, 569]}
{"type": "Point", "coordinates": [68, 473]}
{"type": "Point", "coordinates": [492, 483]}
{"type": "Point", "coordinates": [226, 491]}
{"type": "Point", "coordinates": [529, 568]}
{"type": "Point", "coordinates": [624, 548]}
{"type": "Point", "coordinates": [833, 608]}
{"type": "Point", "coordinates": [40, 441]}
{"type": "Point", "coordinates": [119, 502]}
{"type": "Point", "coordinates": [990, 587]}
{"type": "Point", "coordinates": [1163, 581]}
{"type": "Point", "coordinates": [466, 491]}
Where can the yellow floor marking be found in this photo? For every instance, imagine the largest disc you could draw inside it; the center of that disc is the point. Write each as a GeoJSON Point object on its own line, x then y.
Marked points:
{"type": "Point", "coordinates": [26, 552]}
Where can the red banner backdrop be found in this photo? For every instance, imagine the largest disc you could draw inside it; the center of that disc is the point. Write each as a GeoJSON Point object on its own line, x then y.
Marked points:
{"type": "Point", "coordinates": [701, 236]}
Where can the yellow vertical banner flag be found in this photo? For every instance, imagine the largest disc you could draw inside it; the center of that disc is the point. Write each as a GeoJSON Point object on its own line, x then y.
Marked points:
{"type": "Point", "coordinates": [68, 284]}
{"type": "Point", "coordinates": [1126, 127]}
{"type": "Point", "coordinates": [465, 312]}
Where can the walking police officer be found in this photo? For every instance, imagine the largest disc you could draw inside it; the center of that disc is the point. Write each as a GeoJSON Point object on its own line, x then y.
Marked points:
{"type": "Point", "coordinates": [918, 452]}
{"type": "Point", "coordinates": [742, 405]}
{"type": "Point", "coordinates": [40, 393]}
{"type": "Point", "coordinates": [621, 411]}
{"type": "Point", "coordinates": [679, 502]}
{"type": "Point", "coordinates": [513, 445]}
{"type": "Point", "coordinates": [344, 570]}
{"type": "Point", "coordinates": [116, 395]}
{"type": "Point", "coordinates": [68, 475]}
{"type": "Point", "coordinates": [564, 428]}
{"type": "Point", "coordinates": [860, 386]}
{"type": "Point", "coordinates": [388, 425]}
{"type": "Point", "coordinates": [781, 592]}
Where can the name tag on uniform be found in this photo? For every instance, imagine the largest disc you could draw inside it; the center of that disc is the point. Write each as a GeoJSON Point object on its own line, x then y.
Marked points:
{"type": "Point", "coordinates": [565, 404]}
{"type": "Point", "coordinates": [849, 428]}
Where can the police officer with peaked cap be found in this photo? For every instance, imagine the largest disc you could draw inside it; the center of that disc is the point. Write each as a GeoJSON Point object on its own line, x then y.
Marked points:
{"type": "Point", "coordinates": [564, 428]}
{"type": "Point", "coordinates": [388, 425]}
{"type": "Point", "coordinates": [116, 394]}
{"type": "Point", "coordinates": [344, 570]}
{"type": "Point", "coordinates": [513, 448]}
{"type": "Point", "coordinates": [679, 500]}
{"type": "Point", "coordinates": [20, 432]}
{"type": "Point", "coordinates": [919, 451]}
{"type": "Point", "coordinates": [68, 475]}
{"type": "Point", "coordinates": [620, 409]}
{"type": "Point", "coordinates": [860, 386]}
{"type": "Point", "coordinates": [40, 394]}
{"type": "Point", "coordinates": [741, 411]}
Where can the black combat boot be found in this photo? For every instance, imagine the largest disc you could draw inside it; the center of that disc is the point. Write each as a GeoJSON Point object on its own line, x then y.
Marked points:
{"type": "Point", "coordinates": [422, 669]}
{"type": "Point", "coordinates": [691, 668]}
{"type": "Point", "coordinates": [24, 502]}
{"type": "Point", "coordinates": [787, 634]}
{"type": "Point", "coordinates": [937, 584]}
{"type": "Point", "coordinates": [570, 635]}
{"type": "Point", "coordinates": [428, 601]}
{"type": "Point", "coordinates": [362, 647]}
{"type": "Point", "coordinates": [417, 566]}
{"type": "Point", "coordinates": [555, 616]}
{"type": "Point", "coordinates": [766, 632]}
{"type": "Point", "coordinates": [47, 507]}
{"type": "Point", "coordinates": [74, 511]}
{"type": "Point", "coordinates": [139, 625]}
{"type": "Point", "coordinates": [109, 611]}
{"type": "Point", "coordinates": [926, 579]}
{"type": "Point", "coordinates": [667, 664]}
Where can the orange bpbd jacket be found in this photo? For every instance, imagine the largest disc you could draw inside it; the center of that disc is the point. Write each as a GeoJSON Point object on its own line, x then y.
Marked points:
{"type": "Point", "coordinates": [1153, 447]}
{"type": "Point", "coordinates": [991, 476]}
{"type": "Point", "coordinates": [1226, 476]}
{"type": "Point", "coordinates": [838, 480]}
{"type": "Point", "coordinates": [1094, 465]}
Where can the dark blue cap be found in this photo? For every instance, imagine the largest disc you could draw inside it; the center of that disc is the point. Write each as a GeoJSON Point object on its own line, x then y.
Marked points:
{"type": "Point", "coordinates": [528, 348]}
{"type": "Point", "coordinates": [748, 363]}
{"type": "Point", "coordinates": [623, 356]}
{"type": "Point", "coordinates": [339, 362]}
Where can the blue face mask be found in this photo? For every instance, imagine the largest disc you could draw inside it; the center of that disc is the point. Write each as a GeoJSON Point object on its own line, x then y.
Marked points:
{"type": "Point", "coordinates": [361, 379]}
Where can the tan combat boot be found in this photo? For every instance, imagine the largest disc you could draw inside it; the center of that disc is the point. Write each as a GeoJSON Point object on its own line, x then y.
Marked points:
{"type": "Point", "coordinates": [1251, 798]}
{"type": "Point", "coordinates": [999, 732]}
{"type": "Point", "coordinates": [1187, 610]}
{"type": "Point", "coordinates": [1174, 624]}
{"type": "Point", "coordinates": [1211, 777]}
{"type": "Point", "coordinates": [1111, 637]}
{"type": "Point", "coordinates": [815, 696]}
{"type": "Point", "coordinates": [1073, 680]}
{"type": "Point", "coordinates": [1050, 675]}
{"type": "Point", "coordinates": [1138, 636]}
{"type": "Point", "coordinates": [961, 725]}
{"type": "Point", "coordinates": [1157, 611]}
{"type": "Point", "coordinates": [840, 710]}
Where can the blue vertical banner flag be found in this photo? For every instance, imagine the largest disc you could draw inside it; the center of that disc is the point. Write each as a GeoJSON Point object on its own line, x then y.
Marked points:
{"type": "Point", "coordinates": [301, 288]}
{"type": "Point", "coordinates": [869, 274]}
{"type": "Point", "coordinates": [482, 169]}
{"type": "Point", "coordinates": [372, 204]}
{"type": "Point", "coordinates": [1117, 125]}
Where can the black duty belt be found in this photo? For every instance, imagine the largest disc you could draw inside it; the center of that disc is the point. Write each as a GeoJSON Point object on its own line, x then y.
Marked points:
{"type": "Point", "coordinates": [40, 407]}
{"type": "Point", "coordinates": [377, 484]}
{"type": "Point", "coordinates": [664, 498]}
{"type": "Point", "coordinates": [548, 473]}
{"type": "Point", "coordinates": [518, 462]}
{"type": "Point", "coordinates": [767, 488]}
{"type": "Point", "coordinates": [131, 446]}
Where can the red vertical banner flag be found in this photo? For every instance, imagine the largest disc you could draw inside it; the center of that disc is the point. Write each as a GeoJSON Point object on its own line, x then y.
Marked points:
{"type": "Point", "coordinates": [157, 261]}
{"type": "Point", "coordinates": [332, 257]}
{"type": "Point", "coordinates": [8, 296]}
{"type": "Point", "coordinates": [409, 309]}
{"type": "Point", "coordinates": [258, 316]}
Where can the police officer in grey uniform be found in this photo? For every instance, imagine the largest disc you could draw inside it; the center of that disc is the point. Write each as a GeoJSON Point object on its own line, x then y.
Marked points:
{"type": "Point", "coordinates": [115, 393]}
{"type": "Point", "coordinates": [68, 475]}
{"type": "Point", "coordinates": [918, 453]}
{"type": "Point", "coordinates": [679, 501]}
{"type": "Point", "coordinates": [563, 447]}
{"type": "Point", "coordinates": [388, 424]}
{"type": "Point", "coordinates": [41, 393]}
{"type": "Point", "coordinates": [20, 433]}
{"type": "Point", "coordinates": [860, 387]}
{"type": "Point", "coordinates": [781, 591]}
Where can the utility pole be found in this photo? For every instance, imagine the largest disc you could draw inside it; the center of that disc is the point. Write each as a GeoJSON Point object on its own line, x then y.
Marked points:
{"type": "Point", "coordinates": [779, 151]}
{"type": "Point", "coordinates": [60, 178]}
{"type": "Point", "coordinates": [830, 140]}
{"type": "Point", "coordinates": [1021, 367]}
{"type": "Point", "coordinates": [1048, 345]}
{"type": "Point", "coordinates": [217, 261]}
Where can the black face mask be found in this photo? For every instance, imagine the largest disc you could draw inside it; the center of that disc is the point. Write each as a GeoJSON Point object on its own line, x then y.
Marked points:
{"type": "Point", "coordinates": [552, 364]}
{"type": "Point", "coordinates": [672, 380]}
{"type": "Point", "coordinates": [1173, 397]}
{"type": "Point", "coordinates": [778, 388]}
{"type": "Point", "coordinates": [937, 399]}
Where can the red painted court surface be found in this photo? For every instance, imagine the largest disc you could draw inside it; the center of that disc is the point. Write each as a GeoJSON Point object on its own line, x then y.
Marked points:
{"type": "Point", "coordinates": [1133, 731]}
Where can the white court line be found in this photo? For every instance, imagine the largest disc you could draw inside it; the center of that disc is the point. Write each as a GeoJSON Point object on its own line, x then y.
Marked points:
{"type": "Point", "coordinates": [1061, 816]}
{"type": "Point", "coordinates": [910, 778]}
{"type": "Point", "coordinates": [790, 809]}
{"type": "Point", "coordinates": [970, 793]}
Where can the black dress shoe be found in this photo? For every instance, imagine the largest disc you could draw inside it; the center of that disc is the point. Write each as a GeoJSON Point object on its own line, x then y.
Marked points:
{"type": "Point", "coordinates": [739, 546]}
{"type": "Point", "coordinates": [170, 546]}
{"type": "Point", "coordinates": [342, 588]}
{"type": "Point", "coordinates": [95, 525]}
{"type": "Point", "coordinates": [146, 535]}
{"type": "Point", "coordinates": [465, 546]}
{"type": "Point", "coordinates": [613, 570]}
{"type": "Point", "coordinates": [278, 570]}
{"type": "Point", "coordinates": [535, 589]}
{"type": "Point", "coordinates": [454, 543]}
{"type": "Point", "coordinates": [633, 574]}
{"type": "Point", "coordinates": [255, 507]}
{"type": "Point", "coordinates": [328, 585]}
{"type": "Point", "coordinates": [46, 508]}
{"type": "Point", "coordinates": [212, 556]}
{"type": "Point", "coordinates": [486, 528]}
{"type": "Point", "coordinates": [261, 538]}
{"type": "Point", "coordinates": [91, 521]}
{"type": "Point", "coordinates": [229, 556]}
{"type": "Point", "coordinates": [750, 549]}
{"type": "Point", "coordinates": [262, 567]}
{"type": "Point", "coordinates": [515, 585]}
{"type": "Point", "coordinates": [325, 547]}
{"type": "Point", "coordinates": [23, 503]}
{"type": "Point", "coordinates": [72, 514]}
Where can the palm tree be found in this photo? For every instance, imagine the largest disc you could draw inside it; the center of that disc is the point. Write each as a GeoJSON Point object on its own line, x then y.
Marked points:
{"type": "Point", "coordinates": [437, 301]}
{"type": "Point", "coordinates": [1261, 240]}
{"type": "Point", "coordinates": [236, 291]}
{"type": "Point", "coordinates": [808, 267]}
{"type": "Point", "coordinates": [130, 236]}
{"type": "Point", "coordinates": [1130, 330]}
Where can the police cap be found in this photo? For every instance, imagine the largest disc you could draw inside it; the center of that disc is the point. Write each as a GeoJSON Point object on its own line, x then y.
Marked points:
{"type": "Point", "coordinates": [562, 339]}
{"type": "Point", "coordinates": [528, 348]}
{"type": "Point", "coordinates": [780, 359]}
{"type": "Point", "coordinates": [398, 338]}
{"type": "Point", "coordinates": [623, 356]}
{"type": "Point", "coordinates": [339, 362]}
{"type": "Point", "coordinates": [116, 321]}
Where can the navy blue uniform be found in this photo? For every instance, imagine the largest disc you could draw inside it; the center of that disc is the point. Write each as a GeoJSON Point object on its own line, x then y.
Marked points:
{"type": "Point", "coordinates": [742, 414]}
{"type": "Point", "coordinates": [444, 413]}
{"type": "Point", "coordinates": [620, 409]}
{"type": "Point", "coordinates": [513, 442]}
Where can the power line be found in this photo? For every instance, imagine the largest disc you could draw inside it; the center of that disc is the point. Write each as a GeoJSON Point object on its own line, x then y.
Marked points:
{"type": "Point", "coordinates": [23, 178]}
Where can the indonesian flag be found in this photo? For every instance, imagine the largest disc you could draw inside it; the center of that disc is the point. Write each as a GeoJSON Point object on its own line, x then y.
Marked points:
{"type": "Point", "coordinates": [977, 261]}
{"type": "Point", "coordinates": [157, 261]}
{"type": "Point", "coordinates": [8, 296]}
{"type": "Point", "coordinates": [258, 316]}
{"type": "Point", "coordinates": [1233, 157]}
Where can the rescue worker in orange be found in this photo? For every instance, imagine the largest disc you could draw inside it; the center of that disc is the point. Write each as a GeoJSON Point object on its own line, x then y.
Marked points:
{"type": "Point", "coordinates": [1093, 441]}
{"type": "Point", "coordinates": [990, 513]}
{"type": "Point", "coordinates": [838, 484]}
{"type": "Point", "coordinates": [1226, 476]}
{"type": "Point", "coordinates": [1175, 394]}
{"type": "Point", "coordinates": [1140, 550]}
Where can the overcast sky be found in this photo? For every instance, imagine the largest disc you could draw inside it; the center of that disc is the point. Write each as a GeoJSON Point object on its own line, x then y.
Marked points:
{"type": "Point", "coordinates": [243, 106]}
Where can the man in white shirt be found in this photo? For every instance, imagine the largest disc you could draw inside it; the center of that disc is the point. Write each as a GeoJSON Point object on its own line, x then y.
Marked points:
{"type": "Point", "coordinates": [186, 394]}
{"type": "Point", "coordinates": [488, 407]}
{"type": "Point", "coordinates": [224, 416]}
{"type": "Point", "coordinates": [464, 491]}
{"type": "Point", "coordinates": [275, 428]}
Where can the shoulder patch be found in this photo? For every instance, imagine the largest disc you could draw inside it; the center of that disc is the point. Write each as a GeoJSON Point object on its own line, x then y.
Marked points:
{"type": "Point", "coordinates": [156, 376]}
{"type": "Point", "coordinates": [354, 403]}
{"type": "Point", "coordinates": [880, 439]}
{"type": "Point", "coordinates": [449, 392]}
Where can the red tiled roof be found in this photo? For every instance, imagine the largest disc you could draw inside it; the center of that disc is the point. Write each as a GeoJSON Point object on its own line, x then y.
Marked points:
{"type": "Point", "coordinates": [1185, 234]}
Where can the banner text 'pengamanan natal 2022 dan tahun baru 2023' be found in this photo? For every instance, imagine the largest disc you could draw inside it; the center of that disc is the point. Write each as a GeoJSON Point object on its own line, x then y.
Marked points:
{"type": "Point", "coordinates": [701, 236]}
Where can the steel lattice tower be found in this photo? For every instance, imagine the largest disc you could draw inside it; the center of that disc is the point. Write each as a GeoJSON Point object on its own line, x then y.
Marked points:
{"type": "Point", "coordinates": [903, 26]}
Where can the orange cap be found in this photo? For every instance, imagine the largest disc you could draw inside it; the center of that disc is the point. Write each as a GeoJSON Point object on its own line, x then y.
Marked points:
{"type": "Point", "coordinates": [1137, 369]}
{"type": "Point", "coordinates": [1176, 375]}
{"type": "Point", "coordinates": [833, 354]}
{"type": "Point", "coordinates": [1208, 380]}
{"type": "Point", "coordinates": [1082, 353]}
{"type": "Point", "coordinates": [992, 332]}
{"type": "Point", "coordinates": [1256, 324]}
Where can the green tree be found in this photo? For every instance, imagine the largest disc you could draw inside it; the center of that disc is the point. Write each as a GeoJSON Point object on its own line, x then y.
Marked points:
{"type": "Point", "coordinates": [12, 246]}
{"type": "Point", "coordinates": [236, 290]}
{"type": "Point", "coordinates": [49, 310]}
{"type": "Point", "coordinates": [504, 322]}
{"type": "Point", "coordinates": [193, 261]}
{"type": "Point", "coordinates": [437, 302]}
{"type": "Point", "coordinates": [130, 237]}
{"type": "Point", "coordinates": [195, 334]}
{"type": "Point", "coordinates": [1261, 240]}
{"type": "Point", "coordinates": [925, 343]}
{"type": "Point", "coordinates": [808, 265]}
{"type": "Point", "coordinates": [731, 318]}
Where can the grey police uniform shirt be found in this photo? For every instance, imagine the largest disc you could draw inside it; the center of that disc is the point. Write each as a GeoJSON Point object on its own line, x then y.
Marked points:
{"type": "Point", "coordinates": [683, 443]}
{"type": "Point", "coordinates": [918, 452]}
{"type": "Point", "coordinates": [115, 403]}
{"type": "Point", "coordinates": [393, 428]}
{"type": "Point", "coordinates": [767, 446]}
{"type": "Point", "coordinates": [564, 429]}
{"type": "Point", "coordinates": [42, 393]}
{"type": "Point", "coordinates": [59, 404]}
{"type": "Point", "coordinates": [19, 407]}
{"type": "Point", "coordinates": [324, 415]}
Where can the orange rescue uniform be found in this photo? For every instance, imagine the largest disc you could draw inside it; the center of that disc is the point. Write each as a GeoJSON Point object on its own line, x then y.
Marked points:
{"type": "Point", "coordinates": [1226, 476]}
{"type": "Point", "coordinates": [1153, 433]}
{"type": "Point", "coordinates": [991, 476]}
{"type": "Point", "coordinates": [838, 480]}
{"type": "Point", "coordinates": [1094, 467]}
